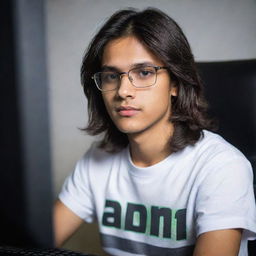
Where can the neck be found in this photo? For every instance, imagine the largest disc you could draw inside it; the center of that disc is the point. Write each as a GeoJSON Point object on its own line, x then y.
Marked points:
{"type": "Point", "coordinates": [149, 149]}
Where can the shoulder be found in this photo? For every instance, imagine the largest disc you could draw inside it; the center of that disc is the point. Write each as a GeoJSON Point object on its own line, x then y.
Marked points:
{"type": "Point", "coordinates": [221, 159]}
{"type": "Point", "coordinates": [213, 146]}
{"type": "Point", "coordinates": [212, 157]}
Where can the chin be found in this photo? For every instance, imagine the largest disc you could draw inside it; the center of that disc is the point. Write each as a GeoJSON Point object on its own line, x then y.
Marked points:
{"type": "Point", "coordinates": [127, 128]}
{"type": "Point", "coordinates": [130, 129]}
{"type": "Point", "coordinates": [130, 126]}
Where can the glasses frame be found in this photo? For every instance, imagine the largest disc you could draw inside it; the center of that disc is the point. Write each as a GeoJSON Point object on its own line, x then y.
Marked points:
{"type": "Point", "coordinates": [129, 77]}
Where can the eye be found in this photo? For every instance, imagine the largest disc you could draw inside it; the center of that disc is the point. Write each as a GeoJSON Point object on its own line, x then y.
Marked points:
{"type": "Point", "coordinates": [143, 73]}
{"type": "Point", "coordinates": [108, 77]}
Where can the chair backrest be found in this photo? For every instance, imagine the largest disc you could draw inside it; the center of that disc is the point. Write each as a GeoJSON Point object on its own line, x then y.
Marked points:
{"type": "Point", "coordinates": [230, 89]}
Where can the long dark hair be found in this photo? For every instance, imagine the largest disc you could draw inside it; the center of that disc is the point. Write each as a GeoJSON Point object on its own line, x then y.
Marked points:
{"type": "Point", "coordinates": [165, 39]}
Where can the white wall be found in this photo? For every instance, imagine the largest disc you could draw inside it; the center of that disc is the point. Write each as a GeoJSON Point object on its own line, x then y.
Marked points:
{"type": "Point", "coordinates": [216, 30]}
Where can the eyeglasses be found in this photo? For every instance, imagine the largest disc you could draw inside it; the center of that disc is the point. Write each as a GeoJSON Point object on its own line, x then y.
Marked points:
{"type": "Point", "coordinates": [140, 77]}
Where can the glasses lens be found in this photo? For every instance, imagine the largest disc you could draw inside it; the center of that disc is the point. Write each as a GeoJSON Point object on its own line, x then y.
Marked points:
{"type": "Point", "coordinates": [107, 81]}
{"type": "Point", "coordinates": [143, 76]}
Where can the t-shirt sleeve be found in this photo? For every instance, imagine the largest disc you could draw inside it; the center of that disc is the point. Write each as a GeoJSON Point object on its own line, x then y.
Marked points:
{"type": "Point", "coordinates": [76, 192]}
{"type": "Point", "coordinates": [226, 199]}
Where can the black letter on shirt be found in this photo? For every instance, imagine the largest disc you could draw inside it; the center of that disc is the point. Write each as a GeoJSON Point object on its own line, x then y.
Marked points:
{"type": "Point", "coordinates": [112, 219]}
{"type": "Point", "coordinates": [156, 214]}
{"type": "Point", "coordinates": [181, 224]}
{"type": "Point", "coordinates": [140, 226]}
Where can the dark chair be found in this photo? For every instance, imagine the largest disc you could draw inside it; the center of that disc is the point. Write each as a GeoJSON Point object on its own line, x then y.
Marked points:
{"type": "Point", "coordinates": [230, 89]}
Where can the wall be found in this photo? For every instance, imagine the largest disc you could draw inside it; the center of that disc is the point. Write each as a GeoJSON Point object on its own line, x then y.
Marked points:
{"type": "Point", "coordinates": [216, 30]}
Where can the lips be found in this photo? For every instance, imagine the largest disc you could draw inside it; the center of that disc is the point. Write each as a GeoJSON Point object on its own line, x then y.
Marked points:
{"type": "Point", "coordinates": [127, 111]}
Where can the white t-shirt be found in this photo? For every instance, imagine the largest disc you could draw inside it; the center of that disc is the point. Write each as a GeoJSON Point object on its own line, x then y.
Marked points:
{"type": "Point", "coordinates": [162, 209]}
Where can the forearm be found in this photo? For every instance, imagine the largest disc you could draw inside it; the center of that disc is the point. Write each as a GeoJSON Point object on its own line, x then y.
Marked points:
{"type": "Point", "coordinates": [65, 223]}
{"type": "Point", "coordinates": [219, 243]}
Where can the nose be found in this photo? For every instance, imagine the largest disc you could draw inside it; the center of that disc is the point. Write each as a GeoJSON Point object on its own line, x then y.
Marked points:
{"type": "Point", "coordinates": [126, 89]}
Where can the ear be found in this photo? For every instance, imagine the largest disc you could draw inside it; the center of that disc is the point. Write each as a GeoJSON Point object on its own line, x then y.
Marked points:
{"type": "Point", "coordinates": [174, 90]}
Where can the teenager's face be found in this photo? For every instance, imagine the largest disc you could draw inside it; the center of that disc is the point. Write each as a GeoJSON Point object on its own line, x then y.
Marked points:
{"type": "Point", "coordinates": [135, 110]}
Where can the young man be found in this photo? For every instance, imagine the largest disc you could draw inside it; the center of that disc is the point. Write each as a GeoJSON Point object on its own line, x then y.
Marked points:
{"type": "Point", "coordinates": [160, 183]}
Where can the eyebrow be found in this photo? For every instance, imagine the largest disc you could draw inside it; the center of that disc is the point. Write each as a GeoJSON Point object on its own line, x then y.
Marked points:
{"type": "Point", "coordinates": [135, 65]}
